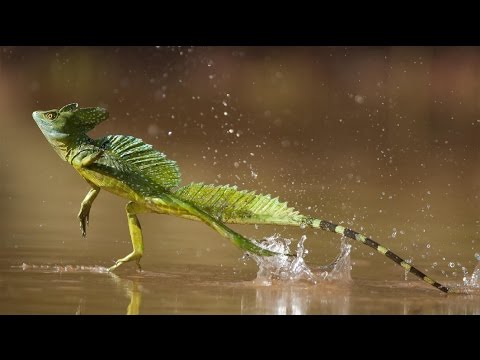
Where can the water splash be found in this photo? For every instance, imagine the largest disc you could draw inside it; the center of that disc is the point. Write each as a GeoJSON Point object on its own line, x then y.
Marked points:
{"type": "Point", "coordinates": [341, 268]}
{"type": "Point", "coordinates": [288, 268]}
{"type": "Point", "coordinates": [474, 280]}
{"type": "Point", "coordinates": [63, 268]}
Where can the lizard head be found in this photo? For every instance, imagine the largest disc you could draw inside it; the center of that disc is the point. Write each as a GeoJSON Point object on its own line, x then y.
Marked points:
{"type": "Point", "coordinates": [69, 120]}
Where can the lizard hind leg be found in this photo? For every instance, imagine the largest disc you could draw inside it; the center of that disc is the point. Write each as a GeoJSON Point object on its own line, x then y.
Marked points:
{"type": "Point", "coordinates": [136, 236]}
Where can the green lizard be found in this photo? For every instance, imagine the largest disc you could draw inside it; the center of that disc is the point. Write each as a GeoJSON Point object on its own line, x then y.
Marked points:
{"type": "Point", "coordinates": [127, 167]}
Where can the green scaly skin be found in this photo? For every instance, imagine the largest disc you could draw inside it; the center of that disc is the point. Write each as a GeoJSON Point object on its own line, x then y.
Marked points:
{"type": "Point", "coordinates": [127, 167]}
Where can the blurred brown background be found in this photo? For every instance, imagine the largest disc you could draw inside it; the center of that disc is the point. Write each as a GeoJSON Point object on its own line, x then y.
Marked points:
{"type": "Point", "coordinates": [382, 139]}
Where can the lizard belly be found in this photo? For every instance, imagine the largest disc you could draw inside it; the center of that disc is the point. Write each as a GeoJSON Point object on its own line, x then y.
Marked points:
{"type": "Point", "coordinates": [111, 184]}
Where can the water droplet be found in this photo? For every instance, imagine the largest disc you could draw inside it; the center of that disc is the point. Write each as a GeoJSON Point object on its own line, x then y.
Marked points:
{"type": "Point", "coordinates": [359, 99]}
{"type": "Point", "coordinates": [285, 143]}
{"type": "Point", "coordinates": [451, 264]}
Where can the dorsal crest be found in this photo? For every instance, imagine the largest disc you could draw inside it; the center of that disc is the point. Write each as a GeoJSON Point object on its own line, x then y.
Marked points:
{"type": "Point", "coordinates": [134, 153]}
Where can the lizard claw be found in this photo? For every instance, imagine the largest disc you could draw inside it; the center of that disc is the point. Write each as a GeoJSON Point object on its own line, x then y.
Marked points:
{"type": "Point", "coordinates": [84, 216]}
{"type": "Point", "coordinates": [116, 265]}
{"type": "Point", "coordinates": [134, 255]}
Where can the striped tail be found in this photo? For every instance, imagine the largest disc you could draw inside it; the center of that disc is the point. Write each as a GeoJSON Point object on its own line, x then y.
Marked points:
{"type": "Point", "coordinates": [228, 205]}
{"type": "Point", "coordinates": [326, 225]}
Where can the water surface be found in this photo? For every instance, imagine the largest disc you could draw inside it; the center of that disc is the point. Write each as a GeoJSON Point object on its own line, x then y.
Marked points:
{"type": "Point", "coordinates": [382, 140]}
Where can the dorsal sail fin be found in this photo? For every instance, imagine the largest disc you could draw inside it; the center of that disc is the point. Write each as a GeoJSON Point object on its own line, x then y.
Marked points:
{"type": "Point", "coordinates": [134, 153]}
{"type": "Point", "coordinates": [230, 205]}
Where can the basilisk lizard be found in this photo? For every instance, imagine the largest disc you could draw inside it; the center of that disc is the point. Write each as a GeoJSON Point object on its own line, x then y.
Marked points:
{"type": "Point", "coordinates": [127, 167]}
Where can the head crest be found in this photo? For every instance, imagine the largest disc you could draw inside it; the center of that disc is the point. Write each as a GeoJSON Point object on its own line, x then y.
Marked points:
{"type": "Point", "coordinates": [70, 119]}
{"type": "Point", "coordinates": [69, 107]}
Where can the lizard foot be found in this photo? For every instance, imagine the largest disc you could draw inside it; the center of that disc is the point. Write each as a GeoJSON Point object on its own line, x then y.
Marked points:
{"type": "Point", "coordinates": [84, 216]}
{"type": "Point", "coordinates": [130, 257]}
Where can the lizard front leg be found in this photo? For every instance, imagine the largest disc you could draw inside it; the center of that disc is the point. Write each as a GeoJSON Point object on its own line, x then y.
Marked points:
{"type": "Point", "coordinates": [86, 156]}
{"type": "Point", "coordinates": [82, 158]}
{"type": "Point", "coordinates": [84, 213]}
{"type": "Point", "coordinates": [91, 158]}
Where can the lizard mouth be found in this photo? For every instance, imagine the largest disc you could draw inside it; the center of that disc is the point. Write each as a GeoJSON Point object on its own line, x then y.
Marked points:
{"type": "Point", "coordinates": [37, 116]}
{"type": "Point", "coordinates": [39, 119]}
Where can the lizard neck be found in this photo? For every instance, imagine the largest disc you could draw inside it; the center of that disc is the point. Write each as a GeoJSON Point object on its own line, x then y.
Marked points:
{"type": "Point", "coordinates": [66, 145]}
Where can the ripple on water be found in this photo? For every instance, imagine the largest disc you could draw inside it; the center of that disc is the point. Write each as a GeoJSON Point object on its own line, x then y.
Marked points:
{"type": "Point", "coordinates": [63, 268]}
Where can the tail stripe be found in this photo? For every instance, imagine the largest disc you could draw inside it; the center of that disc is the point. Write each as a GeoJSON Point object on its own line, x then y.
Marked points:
{"type": "Point", "coordinates": [326, 225]}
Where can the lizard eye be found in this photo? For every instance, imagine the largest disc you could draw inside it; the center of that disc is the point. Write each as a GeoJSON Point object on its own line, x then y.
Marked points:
{"type": "Point", "coordinates": [51, 116]}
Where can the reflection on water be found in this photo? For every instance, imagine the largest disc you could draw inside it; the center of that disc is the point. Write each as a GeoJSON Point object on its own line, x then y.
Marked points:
{"type": "Point", "coordinates": [130, 286]}
{"type": "Point", "coordinates": [133, 291]}
{"type": "Point", "coordinates": [295, 299]}
{"type": "Point", "coordinates": [70, 289]}
{"type": "Point", "coordinates": [46, 271]}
